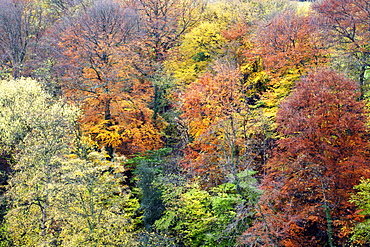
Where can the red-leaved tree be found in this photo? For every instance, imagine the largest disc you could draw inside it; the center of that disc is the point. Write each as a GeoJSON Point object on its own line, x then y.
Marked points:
{"type": "Point", "coordinates": [322, 154]}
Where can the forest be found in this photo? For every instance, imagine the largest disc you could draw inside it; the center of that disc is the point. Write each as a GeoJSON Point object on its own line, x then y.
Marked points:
{"type": "Point", "coordinates": [181, 123]}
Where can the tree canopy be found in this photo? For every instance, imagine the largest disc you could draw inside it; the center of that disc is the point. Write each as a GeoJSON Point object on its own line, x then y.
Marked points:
{"type": "Point", "coordinates": [184, 123]}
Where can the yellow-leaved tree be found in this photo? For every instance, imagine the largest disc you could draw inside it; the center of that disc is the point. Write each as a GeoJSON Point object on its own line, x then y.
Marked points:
{"type": "Point", "coordinates": [35, 129]}
{"type": "Point", "coordinates": [202, 44]}
{"type": "Point", "coordinates": [58, 195]}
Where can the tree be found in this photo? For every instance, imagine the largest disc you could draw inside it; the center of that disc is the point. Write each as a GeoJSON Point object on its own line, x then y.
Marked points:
{"type": "Point", "coordinates": [199, 48]}
{"type": "Point", "coordinates": [257, 10]}
{"type": "Point", "coordinates": [148, 167]}
{"type": "Point", "coordinates": [288, 44]}
{"type": "Point", "coordinates": [59, 193]}
{"type": "Point", "coordinates": [196, 217]}
{"type": "Point", "coordinates": [90, 205]}
{"type": "Point", "coordinates": [36, 130]}
{"type": "Point", "coordinates": [346, 24]}
{"type": "Point", "coordinates": [22, 24]}
{"type": "Point", "coordinates": [203, 44]}
{"type": "Point", "coordinates": [361, 199]}
{"type": "Point", "coordinates": [226, 135]}
{"type": "Point", "coordinates": [322, 154]}
{"type": "Point", "coordinates": [99, 76]}
{"type": "Point", "coordinates": [163, 23]}
{"type": "Point", "coordinates": [161, 27]}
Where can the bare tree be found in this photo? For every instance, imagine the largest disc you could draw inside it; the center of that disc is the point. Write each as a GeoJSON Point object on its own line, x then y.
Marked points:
{"type": "Point", "coordinates": [21, 26]}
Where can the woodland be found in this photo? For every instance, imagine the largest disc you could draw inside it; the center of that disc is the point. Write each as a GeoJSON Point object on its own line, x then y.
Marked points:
{"type": "Point", "coordinates": [184, 123]}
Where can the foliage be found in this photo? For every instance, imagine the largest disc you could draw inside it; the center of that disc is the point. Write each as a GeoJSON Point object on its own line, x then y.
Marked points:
{"type": "Point", "coordinates": [147, 168]}
{"type": "Point", "coordinates": [196, 217]}
{"type": "Point", "coordinates": [289, 44]}
{"type": "Point", "coordinates": [37, 130]}
{"type": "Point", "coordinates": [16, 96]}
{"type": "Point", "coordinates": [198, 49]}
{"type": "Point", "coordinates": [5, 240]}
{"type": "Point", "coordinates": [22, 24]}
{"type": "Point", "coordinates": [230, 86]}
{"type": "Point", "coordinates": [55, 199]}
{"type": "Point", "coordinates": [91, 206]}
{"type": "Point", "coordinates": [257, 10]}
{"type": "Point", "coordinates": [163, 23]}
{"type": "Point", "coordinates": [98, 74]}
{"type": "Point", "coordinates": [322, 154]}
{"type": "Point", "coordinates": [155, 239]}
{"type": "Point", "coordinates": [362, 200]}
{"type": "Point", "coordinates": [346, 24]}
{"type": "Point", "coordinates": [226, 134]}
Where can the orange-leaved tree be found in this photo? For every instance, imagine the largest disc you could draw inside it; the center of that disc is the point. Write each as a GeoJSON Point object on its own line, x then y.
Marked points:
{"type": "Point", "coordinates": [322, 154]}
{"type": "Point", "coordinates": [98, 74]}
{"type": "Point", "coordinates": [222, 127]}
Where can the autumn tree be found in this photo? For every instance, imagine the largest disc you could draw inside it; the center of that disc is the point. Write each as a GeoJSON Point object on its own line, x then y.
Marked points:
{"type": "Point", "coordinates": [204, 43]}
{"type": "Point", "coordinates": [162, 25]}
{"type": "Point", "coordinates": [223, 129]}
{"type": "Point", "coordinates": [98, 75]}
{"type": "Point", "coordinates": [288, 44]}
{"type": "Point", "coordinates": [36, 130]}
{"type": "Point", "coordinates": [196, 217]}
{"type": "Point", "coordinates": [60, 193]}
{"type": "Point", "coordinates": [60, 8]}
{"type": "Point", "coordinates": [346, 24]}
{"type": "Point", "coordinates": [287, 41]}
{"type": "Point", "coordinates": [252, 12]}
{"type": "Point", "coordinates": [90, 206]}
{"type": "Point", "coordinates": [322, 154]}
{"type": "Point", "coordinates": [361, 199]}
{"type": "Point", "coordinates": [197, 51]}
